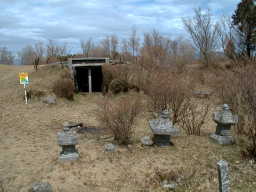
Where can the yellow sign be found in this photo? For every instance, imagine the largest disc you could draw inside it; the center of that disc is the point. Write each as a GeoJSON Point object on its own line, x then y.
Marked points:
{"type": "Point", "coordinates": [24, 78]}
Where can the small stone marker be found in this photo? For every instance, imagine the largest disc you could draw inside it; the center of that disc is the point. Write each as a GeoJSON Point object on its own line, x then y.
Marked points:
{"type": "Point", "coordinates": [72, 125]}
{"type": "Point", "coordinates": [110, 147]}
{"type": "Point", "coordinates": [223, 176]}
{"type": "Point", "coordinates": [41, 187]}
{"type": "Point", "coordinates": [50, 99]}
{"type": "Point", "coordinates": [146, 140]}
{"type": "Point", "coordinates": [224, 119]}
{"type": "Point", "coordinates": [163, 129]}
{"type": "Point", "coordinates": [68, 140]}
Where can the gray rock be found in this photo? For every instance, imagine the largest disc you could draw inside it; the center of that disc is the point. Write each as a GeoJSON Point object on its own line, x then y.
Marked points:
{"type": "Point", "coordinates": [50, 99]}
{"type": "Point", "coordinates": [146, 140]}
{"type": "Point", "coordinates": [110, 147]}
{"type": "Point", "coordinates": [41, 187]}
{"type": "Point", "coordinates": [223, 176]}
{"type": "Point", "coordinates": [169, 186]}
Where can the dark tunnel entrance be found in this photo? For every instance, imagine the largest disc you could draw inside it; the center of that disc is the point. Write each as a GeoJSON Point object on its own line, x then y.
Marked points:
{"type": "Point", "coordinates": [88, 77]}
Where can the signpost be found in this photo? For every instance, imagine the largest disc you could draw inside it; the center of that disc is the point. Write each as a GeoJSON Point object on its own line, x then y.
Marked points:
{"type": "Point", "coordinates": [24, 81]}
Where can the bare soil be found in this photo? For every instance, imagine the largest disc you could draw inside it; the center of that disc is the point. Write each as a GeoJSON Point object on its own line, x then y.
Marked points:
{"type": "Point", "coordinates": [29, 150]}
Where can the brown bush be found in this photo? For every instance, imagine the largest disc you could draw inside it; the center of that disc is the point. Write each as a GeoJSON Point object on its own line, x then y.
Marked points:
{"type": "Point", "coordinates": [167, 91]}
{"type": "Point", "coordinates": [117, 86]}
{"type": "Point", "coordinates": [64, 88]}
{"type": "Point", "coordinates": [118, 115]}
{"type": "Point", "coordinates": [120, 78]}
{"type": "Point", "coordinates": [36, 93]}
{"type": "Point", "coordinates": [239, 90]}
{"type": "Point", "coordinates": [193, 118]}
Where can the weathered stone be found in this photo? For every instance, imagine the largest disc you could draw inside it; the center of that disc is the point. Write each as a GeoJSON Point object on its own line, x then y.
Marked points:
{"type": "Point", "coordinates": [223, 176]}
{"type": "Point", "coordinates": [72, 125]}
{"type": "Point", "coordinates": [41, 187]}
{"type": "Point", "coordinates": [224, 119]}
{"type": "Point", "coordinates": [163, 125]}
{"type": "Point", "coordinates": [163, 129]}
{"type": "Point", "coordinates": [110, 147]}
{"type": "Point", "coordinates": [202, 93]}
{"type": "Point", "coordinates": [222, 140]}
{"type": "Point", "coordinates": [50, 99]}
{"type": "Point", "coordinates": [146, 140]}
{"type": "Point", "coordinates": [170, 186]}
{"type": "Point", "coordinates": [68, 140]}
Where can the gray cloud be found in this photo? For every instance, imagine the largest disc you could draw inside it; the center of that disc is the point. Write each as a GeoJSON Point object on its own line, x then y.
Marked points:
{"type": "Point", "coordinates": [24, 22]}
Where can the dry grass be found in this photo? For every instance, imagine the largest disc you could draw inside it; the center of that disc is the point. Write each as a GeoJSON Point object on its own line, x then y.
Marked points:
{"type": "Point", "coordinates": [29, 149]}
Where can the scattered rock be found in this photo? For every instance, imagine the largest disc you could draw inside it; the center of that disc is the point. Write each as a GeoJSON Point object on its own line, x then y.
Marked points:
{"type": "Point", "coordinates": [202, 93]}
{"type": "Point", "coordinates": [146, 140]}
{"type": "Point", "coordinates": [50, 99]}
{"type": "Point", "coordinates": [169, 186]}
{"type": "Point", "coordinates": [41, 187]}
{"type": "Point", "coordinates": [110, 147]}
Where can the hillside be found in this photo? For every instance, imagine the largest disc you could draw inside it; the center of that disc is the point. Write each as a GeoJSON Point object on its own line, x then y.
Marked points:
{"type": "Point", "coordinates": [29, 150]}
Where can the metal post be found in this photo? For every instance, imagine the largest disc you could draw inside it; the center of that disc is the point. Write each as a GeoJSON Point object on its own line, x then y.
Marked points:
{"type": "Point", "coordinates": [26, 97]}
{"type": "Point", "coordinates": [90, 80]}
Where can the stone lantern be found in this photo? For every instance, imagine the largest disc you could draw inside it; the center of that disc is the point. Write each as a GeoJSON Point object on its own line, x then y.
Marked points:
{"type": "Point", "coordinates": [163, 129]}
{"type": "Point", "coordinates": [68, 140]}
{"type": "Point", "coordinates": [224, 119]}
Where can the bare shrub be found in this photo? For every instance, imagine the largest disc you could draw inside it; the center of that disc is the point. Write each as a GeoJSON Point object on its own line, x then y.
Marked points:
{"type": "Point", "coordinates": [166, 91]}
{"type": "Point", "coordinates": [193, 118]}
{"type": "Point", "coordinates": [119, 78]}
{"type": "Point", "coordinates": [64, 86]}
{"type": "Point", "coordinates": [118, 116]}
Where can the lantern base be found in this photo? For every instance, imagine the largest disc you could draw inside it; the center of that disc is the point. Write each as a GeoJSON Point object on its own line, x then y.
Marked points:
{"type": "Point", "coordinates": [222, 140]}
{"type": "Point", "coordinates": [69, 157]}
{"type": "Point", "coordinates": [162, 140]}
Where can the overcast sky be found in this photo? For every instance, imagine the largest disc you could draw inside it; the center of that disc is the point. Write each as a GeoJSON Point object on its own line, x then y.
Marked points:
{"type": "Point", "coordinates": [24, 22]}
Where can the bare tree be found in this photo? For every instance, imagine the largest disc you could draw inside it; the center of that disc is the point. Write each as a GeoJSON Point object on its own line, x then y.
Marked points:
{"type": "Point", "coordinates": [62, 52]}
{"type": "Point", "coordinates": [204, 33]}
{"type": "Point", "coordinates": [228, 38]}
{"type": "Point", "coordinates": [106, 46]}
{"type": "Point", "coordinates": [125, 49]}
{"type": "Point", "coordinates": [113, 46]}
{"type": "Point", "coordinates": [156, 47]}
{"type": "Point", "coordinates": [6, 56]}
{"type": "Point", "coordinates": [134, 42]}
{"type": "Point", "coordinates": [27, 55]}
{"type": "Point", "coordinates": [38, 54]}
{"type": "Point", "coordinates": [51, 50]}
{"type": "Point", "coordinates": [86, 46]}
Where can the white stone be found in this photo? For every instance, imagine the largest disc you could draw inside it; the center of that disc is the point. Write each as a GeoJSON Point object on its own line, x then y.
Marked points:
{"type": "Point", "coordinates": [146, 140]}
{"type": "Point", "coordinates": [110, 147]}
